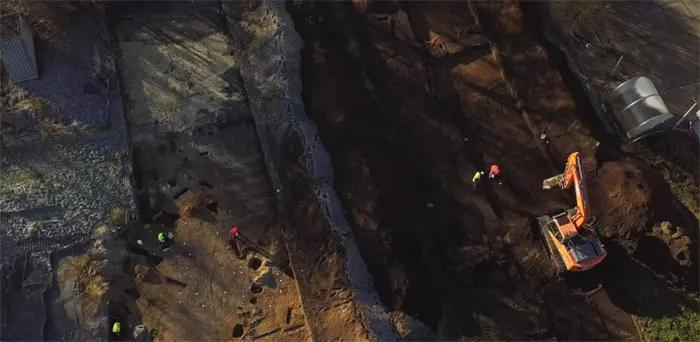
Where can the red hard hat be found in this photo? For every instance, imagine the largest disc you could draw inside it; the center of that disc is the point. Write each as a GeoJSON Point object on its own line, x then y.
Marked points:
{"type": "Point", "coordinates": [234, 230]}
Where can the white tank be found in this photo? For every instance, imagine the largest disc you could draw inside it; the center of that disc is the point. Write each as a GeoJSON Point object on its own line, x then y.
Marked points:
{"type": "Point", "coordinates": [639, 109]}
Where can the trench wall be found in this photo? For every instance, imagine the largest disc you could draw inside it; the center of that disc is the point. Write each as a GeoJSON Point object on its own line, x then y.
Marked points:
{"type": "Point", "coordinates": [335, 286]}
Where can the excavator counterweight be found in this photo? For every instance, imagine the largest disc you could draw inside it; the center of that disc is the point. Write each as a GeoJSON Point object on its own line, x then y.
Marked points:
{"type": "Point", "coordinates": [571, 241]}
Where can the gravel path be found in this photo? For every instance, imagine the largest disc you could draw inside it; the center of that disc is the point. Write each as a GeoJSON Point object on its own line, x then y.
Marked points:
{"type": "Point", "coordinates": [74, 186]}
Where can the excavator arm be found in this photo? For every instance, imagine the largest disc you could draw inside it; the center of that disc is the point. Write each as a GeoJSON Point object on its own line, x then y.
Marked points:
{"type": "Point", "coordinates": [573, 176]}
{"type": "Point", "coordinates": [572, 242]}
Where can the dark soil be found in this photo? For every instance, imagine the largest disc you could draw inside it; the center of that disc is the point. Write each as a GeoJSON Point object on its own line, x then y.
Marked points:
{"type": "Point", "coordinates": [622, 199]}
{"type": "Point", "coordinates": [198, 285]}
{"type": "Point", "coordinates": [539, 74]}
{"type": "Point", "coordinates": [409, 104]}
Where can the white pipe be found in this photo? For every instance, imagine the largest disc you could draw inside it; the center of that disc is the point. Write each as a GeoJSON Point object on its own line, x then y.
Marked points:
{"type": "Point", "coordinates": [686, 114]}
{"type": "Point", "coordinates": [617, 65]}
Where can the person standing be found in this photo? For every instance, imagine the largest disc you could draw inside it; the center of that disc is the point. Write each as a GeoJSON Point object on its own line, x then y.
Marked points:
{"type": "Point", "coordinates": [165, 240]}
{"type": "Point", "coordinates": [477, 178]}
{"type": "Point", "coordinates": [237, 242]}
{"type": "Point", "coordinates": [494, 172]}
{"type": "Point", "coordinates": [161, 238]}
{"type": "Point", "coordinates": [116, 328]}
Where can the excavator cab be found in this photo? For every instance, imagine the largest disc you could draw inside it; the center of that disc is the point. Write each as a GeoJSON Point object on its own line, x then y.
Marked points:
{"type": "Point", "coordinates": [572, 242]}
{"type": "Point", "coordinates": [566, 228]}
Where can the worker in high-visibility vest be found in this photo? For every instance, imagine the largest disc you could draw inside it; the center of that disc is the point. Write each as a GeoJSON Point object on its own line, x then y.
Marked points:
{"type": "Point", "coordinates": [494, 172]}
{"type": "Point", "coordinates": [116, 328]}
{"type": "Point", "coordinates": [477, 178]}
{"type": "Point", "coordinates": [165, 240]}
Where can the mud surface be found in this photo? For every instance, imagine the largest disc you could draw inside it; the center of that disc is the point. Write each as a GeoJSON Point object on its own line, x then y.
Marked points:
{"type": "Point", "coordinates": [410, 101]}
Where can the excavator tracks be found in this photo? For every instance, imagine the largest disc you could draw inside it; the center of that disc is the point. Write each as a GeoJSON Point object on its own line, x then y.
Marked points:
{"type": "Point", "coordinates": [557, 260]}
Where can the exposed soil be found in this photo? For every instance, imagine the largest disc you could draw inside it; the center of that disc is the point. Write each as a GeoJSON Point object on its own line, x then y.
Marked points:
{"type": "Point", "coordinates": [198, 171]}
{"type": "Point", "coordinates": [516, 31]}
{"type": "Point", "coordinates": [410, 104]}
{"type": "Point", "coordinates": [331, 307]}
{"type": "Point", "coordinates": [622, 199]}
{"type": "Point", "coordinates": [203, 287]}
{"type": "Point", "coordinates": [410, 99]}
{"type": "Point", "coordinates": [596, 34]}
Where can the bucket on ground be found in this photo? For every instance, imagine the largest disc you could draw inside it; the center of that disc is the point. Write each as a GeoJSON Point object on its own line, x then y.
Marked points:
{"type": "Point", "coordinates": [639, 109]}
{"type": "Point", "coordinates": [17, 48]}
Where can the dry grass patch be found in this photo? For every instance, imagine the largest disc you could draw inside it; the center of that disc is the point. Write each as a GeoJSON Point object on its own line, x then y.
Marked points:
{"type": "Point", "coordinates": [34, 105]}
{"type": "Point", "coordinates": [81, 277]}
{"type": "Point", "coordinates": [49, 129]}
{"type": "Point", "coordinates": [116, 216]}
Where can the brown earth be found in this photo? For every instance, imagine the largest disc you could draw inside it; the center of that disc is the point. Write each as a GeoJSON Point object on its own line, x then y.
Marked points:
{"type": "Point", "coordinates": [596, 34]}
{"type": "Point", "coordinates": [329, 299]}
{"type": "Point", "coordinates": [621, 197]}
{"type": "Point", "coordinates": [514, 32]}
{"type": "Point", "coordinates": [409, 104]}
{"type": "Point", "coordinates": [410, 101]}
{"type": "Point", "coordinates": [212, 295]}
{"type": "Point", "coordinates": [199, 289]}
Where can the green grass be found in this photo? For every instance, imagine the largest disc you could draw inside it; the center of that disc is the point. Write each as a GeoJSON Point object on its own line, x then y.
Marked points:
{"type": "Point", "coordinates": [685, 327]}
{"type": "Point", "coordinates": [666, 314]}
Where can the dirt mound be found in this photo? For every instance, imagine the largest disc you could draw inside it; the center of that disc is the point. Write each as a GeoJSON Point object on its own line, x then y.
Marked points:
{"type": "Point", "coordinates": [620, 198]}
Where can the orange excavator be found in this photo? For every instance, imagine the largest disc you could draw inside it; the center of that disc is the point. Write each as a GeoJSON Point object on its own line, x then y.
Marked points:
{"type": "Point", "coordinates": [572, 241]}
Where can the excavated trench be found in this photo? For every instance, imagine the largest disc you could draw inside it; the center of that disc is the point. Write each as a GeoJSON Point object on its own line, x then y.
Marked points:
{"type": "Point", "coordinates": [403, 142]}
{"type": "Point", "coordinates": [406, 129]}
{"type": "Point", "coordinates": [402, 181]}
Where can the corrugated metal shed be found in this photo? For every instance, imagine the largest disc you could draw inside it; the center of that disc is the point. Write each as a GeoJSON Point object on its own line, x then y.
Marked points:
{"type": "Point", "coordinates": [17, 48]}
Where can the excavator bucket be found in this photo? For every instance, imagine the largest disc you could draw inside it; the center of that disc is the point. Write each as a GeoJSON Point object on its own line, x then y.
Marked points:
{"type": "Point", "coordinates": [551, 182]}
